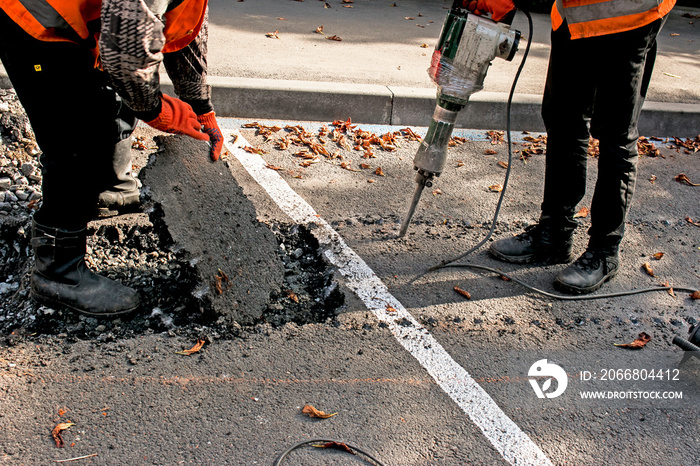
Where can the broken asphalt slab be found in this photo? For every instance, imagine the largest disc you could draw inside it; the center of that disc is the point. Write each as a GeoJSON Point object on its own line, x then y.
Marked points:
{"type": "Point", "coordinates": [207, 214]}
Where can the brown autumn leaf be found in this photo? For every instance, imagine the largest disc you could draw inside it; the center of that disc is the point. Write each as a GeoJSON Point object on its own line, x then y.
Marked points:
{"type": "Point", "coordinates": [221, 282]}
{"type": "Point", "coordinates": [334, 37]}
{"type": "Point", "coordinates": [319, 30]}
{"type": "Point", "coordinates": [272, 167]}
{"type": "Point", "coordinates": [337, 446]}
{"type": "Point", "coordinates": [194, 349]}
{"type": "Point", "coordinates": [390, 309]}
{"type": "Point", "coordinates": [503, 164]}
{"type": "Point", "coordinates": [652, 179]}
{"type": "Point", "coordinates": [695, 295]}
{"type": "Point", "coordinates": [683, 178]}
{"type": "Point", "coordinates": [639, 343]}
{"type": "Point", "coordinates": [670, 288]}
{"type": "Point", "coordinates": [647, 268]}
{"type": "Point", "coordinates": [57, 433]}
{"type": "Point", "coordinates": [490, 152]}
{"type": "Point", "coordinates": [379, 171]}
{"type": "Point", "coordinates": [254, 150]}
{"type": "Point", "coordinates": [371, 181]}
{"type": "Point", "coordinates": [346, 165]}
{"type": "Point", "coordinates": [291, 295]}
{"type": "Point", "coordinates": [690, 220]}
{"type": "Point", "coordinates": [410, 18]}
{"type": "Point", "coordinates": [460, 163]}
{"type": "Point", "coordinates": [582, 213]}
{"type": "Point", "coordinates": [464, 293]}
{"type": "Point", "coordinates": [496, 188]}
{"type": "Point", "coordinates": [313, 412]}
{"type": "Point", "coordinates": [437, 191]}
{"type": "Point", "coordinates": [365, 166]}
{"type": "Point", "coordinates": [424, 46]}
{"type": "Point", "coordinates": [273, 35]}
{"type": "Point", "coordinates": [658, 255]}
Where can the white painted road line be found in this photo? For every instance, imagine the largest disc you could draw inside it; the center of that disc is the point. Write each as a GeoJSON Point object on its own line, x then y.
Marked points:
{"type": "Point", "coordinates": [511, 442]}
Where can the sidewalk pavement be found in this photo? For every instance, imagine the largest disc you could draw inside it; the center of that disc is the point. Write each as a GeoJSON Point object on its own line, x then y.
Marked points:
{"type": "Point", "coordinates": [377, 73]}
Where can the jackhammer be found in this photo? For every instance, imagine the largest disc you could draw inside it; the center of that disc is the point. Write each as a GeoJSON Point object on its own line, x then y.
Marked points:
{"type": "Point", "coordinates": [468, 44]}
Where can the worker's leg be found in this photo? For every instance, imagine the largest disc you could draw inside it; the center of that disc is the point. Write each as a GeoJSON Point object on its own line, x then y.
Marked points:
{"type": "Point", "coordinates": [72, 113]}
{"type": "Point", "coordinates": [626, 59]}
{"type": "Point", "coordinates": [566, 106]}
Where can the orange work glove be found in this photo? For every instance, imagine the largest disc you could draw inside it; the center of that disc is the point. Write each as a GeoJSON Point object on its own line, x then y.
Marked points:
{"type": "Point", "coordinates": [211, 127]}
{"type": "Point", "coordinates": [498, 8]}
{"type": "Point", "coordinates": [177, 117]}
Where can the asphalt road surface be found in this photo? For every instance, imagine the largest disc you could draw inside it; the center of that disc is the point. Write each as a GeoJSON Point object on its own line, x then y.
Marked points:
{"type": "Point", "coordinates": [417, 373]}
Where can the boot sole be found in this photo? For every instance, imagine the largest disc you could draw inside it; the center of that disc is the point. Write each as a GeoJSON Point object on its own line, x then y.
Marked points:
{"type": "Point", "coordinates": [55, 304]}
{"type": "Point", "coordinates": [570, 289]}
{"type": "Point", "coordinates": [106, 212]}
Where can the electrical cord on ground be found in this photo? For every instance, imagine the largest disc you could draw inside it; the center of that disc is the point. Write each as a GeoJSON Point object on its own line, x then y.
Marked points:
{"type": "Point", "coordinates": [574, 298]}
{"type": "Point", "coordinates": [450, 262]}
{"type": "Point", "coordinates": [279, 459]}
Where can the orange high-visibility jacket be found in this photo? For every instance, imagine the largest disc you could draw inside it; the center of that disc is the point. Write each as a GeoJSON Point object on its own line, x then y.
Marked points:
{"type": "Point", "coordinates": [77, 20]}
{"type": "Point", "coordinates": [589, 18]}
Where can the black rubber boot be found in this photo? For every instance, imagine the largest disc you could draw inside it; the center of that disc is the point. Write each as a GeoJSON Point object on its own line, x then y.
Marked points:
{"type": "Point", "coordinates": [588, 273]}
{"type": "Point", "coordinates": [538, 243]}
{"type": "Point", "coordinates": [123, 193]}
{"type": "Point", "coordinates": [61, 278]}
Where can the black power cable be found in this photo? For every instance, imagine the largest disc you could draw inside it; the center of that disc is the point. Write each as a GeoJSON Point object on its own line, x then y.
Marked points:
{"type": "Point", "coordinates": [279, 459]}
{"type": "Point", "coordinates": [450, 262]}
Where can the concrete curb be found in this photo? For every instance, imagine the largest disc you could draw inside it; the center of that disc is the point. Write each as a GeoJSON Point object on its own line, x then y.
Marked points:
{"type": "Point", "coordinates": [252, 98]}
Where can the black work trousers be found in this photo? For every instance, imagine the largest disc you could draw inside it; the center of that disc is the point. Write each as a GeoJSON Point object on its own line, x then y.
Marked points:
{"type": "Point", "coordinates": [595, 86]}
{"type": "Point", "coordinates": [76, 117]}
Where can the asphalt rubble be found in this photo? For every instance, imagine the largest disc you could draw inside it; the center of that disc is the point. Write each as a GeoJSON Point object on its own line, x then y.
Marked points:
{"type": "Point", "coordinates": [138, 250]}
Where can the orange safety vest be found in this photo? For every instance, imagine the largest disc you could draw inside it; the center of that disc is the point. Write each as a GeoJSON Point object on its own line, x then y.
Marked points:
{"type": "Point", "coordinates": [589, 18]}
{"type": "Point", "coordinates": [77, 20]}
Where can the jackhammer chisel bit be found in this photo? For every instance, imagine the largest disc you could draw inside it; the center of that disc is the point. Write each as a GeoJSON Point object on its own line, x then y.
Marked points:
{"type": "Point", "coordinates": [467, 45]}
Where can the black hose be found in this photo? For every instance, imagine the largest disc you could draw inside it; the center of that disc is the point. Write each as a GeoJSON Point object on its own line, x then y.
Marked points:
{"type": "Point", "coordinates": [279, 459]}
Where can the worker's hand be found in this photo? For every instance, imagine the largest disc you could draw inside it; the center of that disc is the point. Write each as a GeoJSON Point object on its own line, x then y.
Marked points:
{"type": "Point", "coordinates": [177, 117]}
{"type": "Point", "coordinates": [211, 127]}
{"type": "Point", "coordinates": [498, 8]}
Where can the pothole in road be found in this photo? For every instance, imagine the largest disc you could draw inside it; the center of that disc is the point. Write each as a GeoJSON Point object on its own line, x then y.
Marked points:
{"type": "Point", "coordinates": [142, 254]}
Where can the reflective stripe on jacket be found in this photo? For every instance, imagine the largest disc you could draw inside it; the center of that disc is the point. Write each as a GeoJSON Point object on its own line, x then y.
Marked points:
{"type": "Point", "coordinates": [78, 20]}
{"type": "Point", "coordinates": [589, 18]}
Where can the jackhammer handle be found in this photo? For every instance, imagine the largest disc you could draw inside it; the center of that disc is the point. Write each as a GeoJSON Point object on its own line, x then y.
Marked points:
{"type": "Point", "coordinates": [685, 345]}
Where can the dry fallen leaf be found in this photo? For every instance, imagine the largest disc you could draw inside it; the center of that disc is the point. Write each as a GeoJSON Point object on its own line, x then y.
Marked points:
{"type": "Point", "coordinates": [647, 268]}
{"type": "Point", "coordinates": [503, 164]}
{"type": "Point", "coordinates": [460, 163]}
{"type": "Point", "coordinates": [424, 46]}
{"type": "Point", "coordinates": [313, 412]}
{"type": "Point", "coordinates": [272, 35]}
{"type": "Point", "coordinates": [642, 340]}
{"type": "Point", "coordinates": [272, 167]}
{"type": "Point", "coordinates": [690, 220]}
{"type": "Point", "coordinates": [658, 255]}
{"type": "Point", "coordinates": [583, 213]}
{"type": "Point", "coordinates": [437, 191]}
{"type": "Point", "coordinates": [57, 433]}
{"type": "Point", "coordinates": [496, 188]}
{"type": "Point", "coordinates": [391, 310]}
{"type": "Point", "coordinates": [291, 295]}
{"type": "Point", "coordinates": [379, 171]}
{"type": "Point", "coordinates": [337, 446]}
{"type": "Point", "coordinates": [695, 295]}
{"type": "Point", "coordinates": [670, 288]}
{"type": "Point", "coordinates": [683, 178]}
{"type": "Point", "coordinates": [334, 37]}
{"type": "Point", "coordinates": [464, 293]}
{"type": "Point", "coordinates": [221, 282]}
{"type": "Point", "coordinates": [490, 152]}
{"type": "Point", "coordinates": [194, 349]}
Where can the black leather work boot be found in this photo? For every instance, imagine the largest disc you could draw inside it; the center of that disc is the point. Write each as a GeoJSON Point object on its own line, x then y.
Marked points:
{"type": "Point", "coordinates": [588, 273]}
{"type": "Point", "coordinates": [61, 278]}
{"type": "Point", "coordinates": [538, 243]}
{"type": "Point", "coordinates": [122, 196]}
